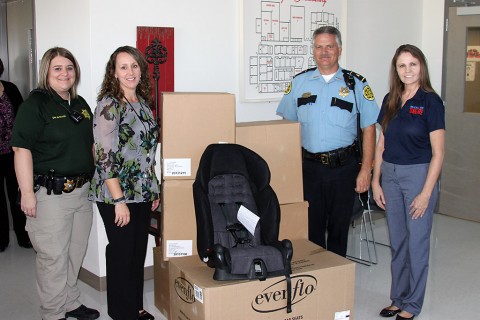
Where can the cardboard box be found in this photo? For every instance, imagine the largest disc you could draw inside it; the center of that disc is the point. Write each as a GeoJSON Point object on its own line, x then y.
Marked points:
{"type": "Point", "coordinates": [179, 226]}
{"type": "Point", "coordinates": [190, 122]}
{"type": "Point", "coordinates": [279, 143]}
{"type": "Point", "coordinates": [294, 221]}
{"type": "Point", "coordinates": [323, 286]}
{"type": "Point", "coordinates": [161, 284]}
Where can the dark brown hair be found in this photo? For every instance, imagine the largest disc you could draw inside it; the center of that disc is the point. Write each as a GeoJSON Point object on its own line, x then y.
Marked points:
{"type": "Point", "coordinates": [397, 86]}
{"type": "Point", "coordinates": [111, 85]}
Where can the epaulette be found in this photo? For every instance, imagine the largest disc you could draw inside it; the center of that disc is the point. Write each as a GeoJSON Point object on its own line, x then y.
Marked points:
{"type": "Point", "coordinates": [305, 71]}
{"type": "Point", "coordinates": [356, 75]}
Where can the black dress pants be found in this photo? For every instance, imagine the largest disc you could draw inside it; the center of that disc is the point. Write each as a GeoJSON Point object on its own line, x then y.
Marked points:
{"type": "Point", "coordinates": [8, 179]}
{"type": "Point", "coordinates": [125, 259]}
{"type": "Point", "coordinates": [330, 193]}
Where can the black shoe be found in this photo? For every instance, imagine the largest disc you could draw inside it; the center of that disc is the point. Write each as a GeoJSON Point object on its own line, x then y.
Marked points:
{"type": "Point", "coordinates": [399, 317]}
{"type": "Point", "coordinates": [83, 313]}
{"type": "Point", "coordinates": [144, 315]}
{"type": "Point", "coordinates": [389, 313]}
{"type": "Point", "coordinates": [3, 247]}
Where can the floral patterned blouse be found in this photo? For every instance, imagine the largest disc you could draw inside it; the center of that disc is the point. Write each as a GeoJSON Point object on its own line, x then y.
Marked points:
{"type": "Point", "coordinates": [125, 143]}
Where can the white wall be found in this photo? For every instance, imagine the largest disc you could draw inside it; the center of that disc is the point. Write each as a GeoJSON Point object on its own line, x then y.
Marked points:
{"type": "Point", "coordinates": [376, 28]}
{"type": "Point", "coordinates": [432, 39]}
{"type": "Point", "coordinates": [207, 44]}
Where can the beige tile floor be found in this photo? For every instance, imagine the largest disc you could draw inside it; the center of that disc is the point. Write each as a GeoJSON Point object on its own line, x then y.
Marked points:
{"type": "Point", "coordinates": [453, 287]}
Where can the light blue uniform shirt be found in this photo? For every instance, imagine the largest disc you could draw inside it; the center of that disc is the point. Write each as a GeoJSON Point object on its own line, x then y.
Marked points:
{"type": "Point", "coordinates": [324, 126]}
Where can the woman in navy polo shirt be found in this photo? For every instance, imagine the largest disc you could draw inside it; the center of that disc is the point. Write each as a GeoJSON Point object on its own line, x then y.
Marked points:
{"type": "Point", "coordinates": [408, 158]}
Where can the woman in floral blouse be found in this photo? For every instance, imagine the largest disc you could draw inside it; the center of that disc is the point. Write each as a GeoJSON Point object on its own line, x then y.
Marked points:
{"type": "Point", "coordinates": [124, 185]}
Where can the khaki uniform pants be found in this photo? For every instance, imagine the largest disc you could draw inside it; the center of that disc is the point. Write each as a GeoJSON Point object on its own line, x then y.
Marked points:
{"type": "Point", "coordinates": [59, 234]}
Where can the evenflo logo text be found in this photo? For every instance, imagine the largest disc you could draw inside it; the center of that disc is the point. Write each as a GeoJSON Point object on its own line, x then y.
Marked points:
{"type": "Point", "coordinates": [184, 290]}
{"type": "Point", "coordinates": [274, 297]}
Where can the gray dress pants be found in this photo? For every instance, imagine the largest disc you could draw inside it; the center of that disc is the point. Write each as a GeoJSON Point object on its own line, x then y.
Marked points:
{"type": "Point", "coordinates": [409, 239]}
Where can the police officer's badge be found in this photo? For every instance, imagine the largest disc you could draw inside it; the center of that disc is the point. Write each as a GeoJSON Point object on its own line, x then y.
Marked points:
{"type": "Point", "coordinates": [68, 186]}
{"type": "Point", "coordinates": [343, 92]}
{"type": "Point", "coordinates": [368, 93]}
{"type": "Point", "coordinates": [289, 88]}
{"type": "Point", "coordinates": [85, 114]}
{"type": "Point", "coordinates": [306, 95]}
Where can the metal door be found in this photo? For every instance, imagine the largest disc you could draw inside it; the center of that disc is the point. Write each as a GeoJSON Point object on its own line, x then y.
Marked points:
{"type": "Point", "coordinates": [460, 180]}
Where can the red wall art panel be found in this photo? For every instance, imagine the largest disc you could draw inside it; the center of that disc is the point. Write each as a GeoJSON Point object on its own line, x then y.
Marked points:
{"type": "Point", "coordinates": [157, 45]}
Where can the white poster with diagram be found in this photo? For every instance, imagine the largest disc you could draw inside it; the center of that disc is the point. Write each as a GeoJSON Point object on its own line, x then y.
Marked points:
{"type": "Point", "coordinates": [277, 42]}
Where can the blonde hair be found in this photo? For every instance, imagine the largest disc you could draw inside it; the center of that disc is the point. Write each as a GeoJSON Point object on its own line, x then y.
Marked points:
{"type": "Point", "coordinates": [47, 58]}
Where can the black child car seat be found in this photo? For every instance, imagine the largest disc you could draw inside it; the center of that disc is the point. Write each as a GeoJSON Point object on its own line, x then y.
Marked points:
{"type": "Point", "coordinates": [233, 181]}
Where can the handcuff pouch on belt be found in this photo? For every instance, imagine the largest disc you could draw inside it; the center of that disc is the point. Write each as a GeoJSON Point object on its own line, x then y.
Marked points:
{"type": "Point", "coordinates": [59, 185]}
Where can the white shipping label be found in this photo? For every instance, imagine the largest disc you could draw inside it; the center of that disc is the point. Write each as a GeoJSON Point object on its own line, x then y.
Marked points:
{"type": "Point", "coordinates": [198, 293]}
{"type": "Point", "coordinates": [177, 167]}
{"type": "Point", "coordinates": [179, 248]}
{"type": "Point", "coordinates": [342, 315]}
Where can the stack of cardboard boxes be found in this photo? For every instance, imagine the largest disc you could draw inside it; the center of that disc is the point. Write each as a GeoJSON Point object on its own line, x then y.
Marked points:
{"type": "Point", "coordinates": [190, 122]}
{"type": "Point", "coordinates": [322, 282]}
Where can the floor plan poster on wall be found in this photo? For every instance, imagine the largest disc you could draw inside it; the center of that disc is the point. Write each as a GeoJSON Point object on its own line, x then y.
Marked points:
{"type": "Point", "coordinates": [277, 42]}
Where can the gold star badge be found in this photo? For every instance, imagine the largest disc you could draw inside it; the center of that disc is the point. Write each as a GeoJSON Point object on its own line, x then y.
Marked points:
{"type": "Point", "coordinates": [343, 92]}
{"type": "Point", "coordinates": [68, 186]}
{"type": "Point", "coordinates": [86, 114]}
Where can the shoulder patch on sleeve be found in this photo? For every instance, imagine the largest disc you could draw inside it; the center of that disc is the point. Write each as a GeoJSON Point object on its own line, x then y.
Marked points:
{"type": "Point", "coordinates": [289, 88]}
{"type": "Point", "coordinates": [368, 93]}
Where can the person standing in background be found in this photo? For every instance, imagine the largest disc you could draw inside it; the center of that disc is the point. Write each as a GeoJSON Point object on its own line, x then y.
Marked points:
{"type": "Point", "coordinates": [125, 187]}
{"type": "Point", "coordinates": [408, 162]}
{"type": "Point", "coordinates": [10, 100]}
{"type": "Point", "coordinates": [327, 100]}
{"type": "Point", "coordinates": [52, 141]}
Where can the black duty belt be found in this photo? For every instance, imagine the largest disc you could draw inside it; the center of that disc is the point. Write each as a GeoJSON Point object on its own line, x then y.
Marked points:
{"type": "Point", "coordinates": [334, 158]}
{"type": "Point", "coordinates": [60, 184]}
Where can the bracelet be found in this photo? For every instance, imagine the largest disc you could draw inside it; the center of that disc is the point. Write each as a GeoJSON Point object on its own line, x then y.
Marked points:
{"type": "Point", "coordinates": [119, 200]}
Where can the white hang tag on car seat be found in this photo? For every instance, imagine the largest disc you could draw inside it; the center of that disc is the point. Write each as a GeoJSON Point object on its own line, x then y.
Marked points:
{"type": "Point", "coordinates": [248, 219]}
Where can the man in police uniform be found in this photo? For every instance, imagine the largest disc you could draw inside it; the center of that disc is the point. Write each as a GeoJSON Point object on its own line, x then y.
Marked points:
{"type": "Point", "coordinates": [326, 106]}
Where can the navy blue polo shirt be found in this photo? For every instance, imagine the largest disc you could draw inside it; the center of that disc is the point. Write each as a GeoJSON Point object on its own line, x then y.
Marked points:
{"type": "Point", "coordinates": [407, 138]}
